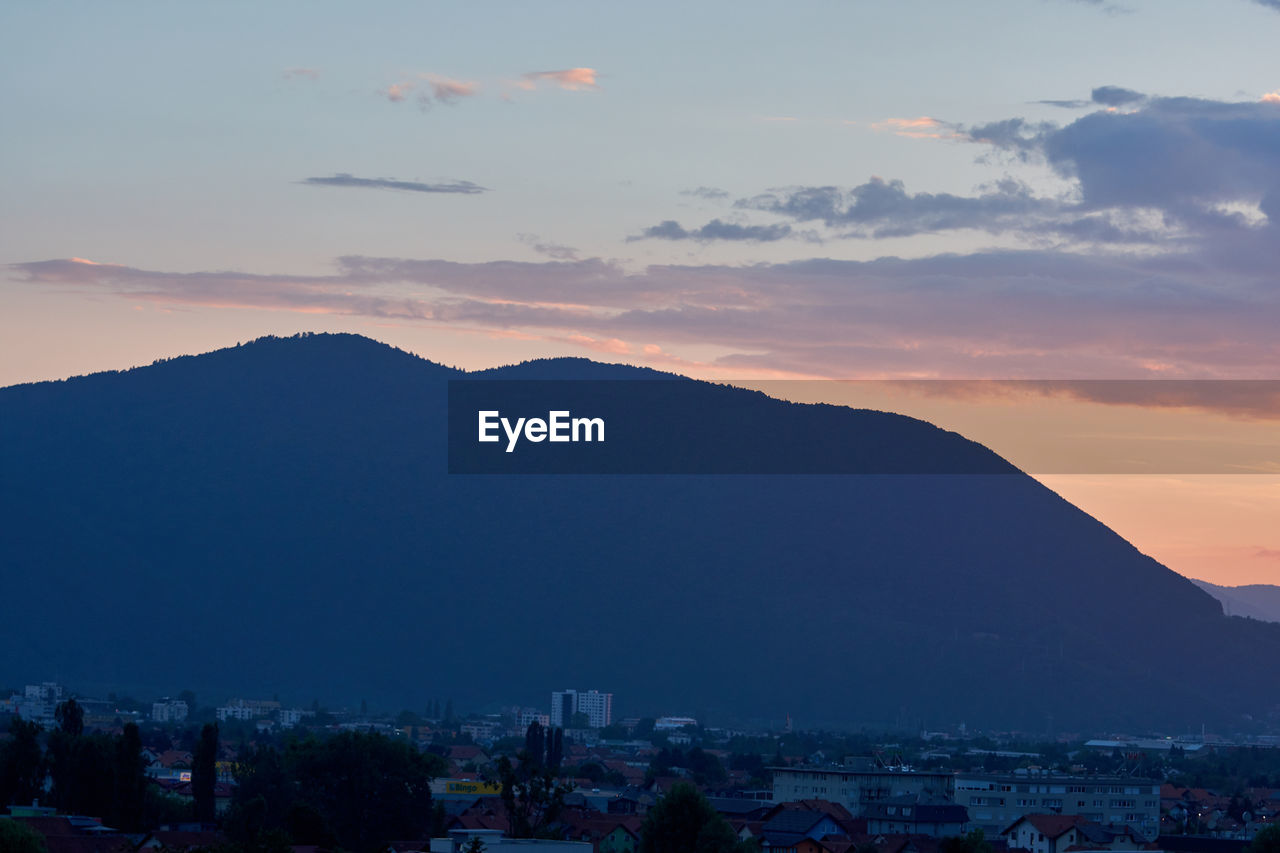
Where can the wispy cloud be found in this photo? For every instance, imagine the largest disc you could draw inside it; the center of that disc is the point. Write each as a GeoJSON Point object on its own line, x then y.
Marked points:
{"type": "Point", "coordinates": [708, 193]}
{"type": "Point", "coordinates": [428, 89]}
{"type": "Point", "coordinates": [883, 208]}
{"type": "Point", "coordinates": [1116, 96]}
{"type": "Point", "coordinates": [557, 251]}
{"type": "Point", "coordinates": [397, 92]}
{"type": "Point", "coordinates": [996, 313]}
{"type": "Point", "coordinates": [1201, 302]}
{"type": "Point", "coordinates": [922, 127]}
{"type": "Point", "coordinates": [343, 179]}
{"type": "Point", "coordinates": [1142, 170]}
{"type": "Point", "coordinates": [447, 90]}
{"type": "Point", "coordinates": [569, 79]}
{"type": "Point", "coordinates": [714, 230]}
{"type": "Point", "coordinates": [302, 74]}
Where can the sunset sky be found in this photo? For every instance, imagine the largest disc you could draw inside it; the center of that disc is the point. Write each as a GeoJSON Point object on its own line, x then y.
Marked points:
{"type": "Point", "coordinates": [1001, 189]}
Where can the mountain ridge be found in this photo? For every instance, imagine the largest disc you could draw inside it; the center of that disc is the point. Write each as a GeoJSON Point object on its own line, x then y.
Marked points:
{"type": "Point", "coordinates": [260, 492]}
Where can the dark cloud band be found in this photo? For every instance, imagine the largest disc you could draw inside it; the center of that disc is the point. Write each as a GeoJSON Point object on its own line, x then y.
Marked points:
{"type": "Point", "coordinates": [343, 179]}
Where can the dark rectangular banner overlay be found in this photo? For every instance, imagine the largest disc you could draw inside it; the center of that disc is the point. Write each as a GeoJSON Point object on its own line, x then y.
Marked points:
{"type": "Point", "coordinates": [659, 426]}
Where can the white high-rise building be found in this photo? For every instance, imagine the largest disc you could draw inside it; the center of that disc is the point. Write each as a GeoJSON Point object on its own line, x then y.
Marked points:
{"type": "Point", "coordinates": [596, 705]}
{"type": "Point", "coordinates": [169, 711]}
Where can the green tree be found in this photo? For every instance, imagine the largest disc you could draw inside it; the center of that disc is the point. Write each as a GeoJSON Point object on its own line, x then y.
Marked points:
{"type": "Point", "coordinates": [69, 716]}
{"type": "Point", "coordinates": [973, 842]}
{"type": "Point", "coordinates": [683, 821]}
{"type": "Point", "coordinates": [555, 748]}
{"type": "Point", "coordinates": [129, 792]}
{"type": "Point", "coordinates": [81, 766]}
{"type": "Point", "coordinates": [369, 788]}
{"type": "Point", "coordinates": [534, 743]}
{"type": "Point", "coordinates": [532, 796]}
{"type": "Point", "coordinates": [17, 837]}
{"type": "Point", "coordinates": [439, 821]}
{"type": "Point", "coordinates": [22, 768]}
{"type": "Point", "coordinates": [1266, 841]}
{"type": "Point", "coordinates": [204, 774]}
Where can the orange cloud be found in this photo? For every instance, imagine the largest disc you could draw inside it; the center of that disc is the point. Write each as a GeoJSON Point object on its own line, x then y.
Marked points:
{"type": "Point", "coordinates": [615, 346]}
{"type": "Point", "coordinates": [569, 79]}
{"type": "Point", "coordinates": [922, 127]}
{"type": "Point", "coordinates": [1271, 97]}
{"type": "Point", "coordinates": [447, 89]}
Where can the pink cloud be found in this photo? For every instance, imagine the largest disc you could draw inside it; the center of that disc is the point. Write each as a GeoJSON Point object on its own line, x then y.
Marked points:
{"type": "Point", "coordinates": [1059, 314]}
{"type": "Point", "coordinates": [569, 79]}
{"type": "Point", "coordinates": [1271, 97]}
{"type": "Point", "coordinates": [397, 92]}
{"type": "Point", "coordinates": [447, 90]}
{"type": "Point", "coordinates": [922, 127]}
{"type": "Point", "coordinates": [614, 346]}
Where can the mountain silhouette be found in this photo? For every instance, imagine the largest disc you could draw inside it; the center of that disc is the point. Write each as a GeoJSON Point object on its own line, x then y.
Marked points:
{"type": "Point", "coordinates": [279, 517]}
{"type": "Point", "coordinates": [1255, 600]}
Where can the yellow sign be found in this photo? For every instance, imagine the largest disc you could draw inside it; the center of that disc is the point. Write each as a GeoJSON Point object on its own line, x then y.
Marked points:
{"type": "Point", "coordinates": [479, 789]}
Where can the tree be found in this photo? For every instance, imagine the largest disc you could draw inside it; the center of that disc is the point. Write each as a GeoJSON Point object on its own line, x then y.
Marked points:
{"type": "Point", "coordinates": [1266, 841]}
{"type": "Point", "coordinates": [475, 845]}
{"type": "Point", "coordinates": [69, 716]}
{"type": "Point", "coordinates": [532, 796]}
{"type": "Point", "coordinates": [684, 821]}
{"type": "Point", "coordinates": [204, 774]}
{"type": "Point", "coordinates": [368, 788]}
{"type": "Point", "coordinates": [439, 821]}
{"type": "Point", "coordinates": [534, 743]}
{"type": "Point", "coordinates": [973, 842]}
{"type": "Point", "coordinates": [21, 763]}
{"type": "Point", "coordinates": [555, 748]}
{"type": "Point", "coordinates": [130, 788]}
{"type": "Point", "coordinates": [17, 837]}
{"type": "Point", "coordinates": [81, 766]}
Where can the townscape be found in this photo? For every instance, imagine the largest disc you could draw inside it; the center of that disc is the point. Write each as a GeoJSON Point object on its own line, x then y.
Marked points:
{"type": "Point", "coordinates": [89, 775]}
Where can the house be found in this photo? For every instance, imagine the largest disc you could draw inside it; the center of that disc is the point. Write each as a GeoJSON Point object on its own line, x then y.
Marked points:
{"type": "Point", "coordinates": [788, 829]}
{"type": "Point", "coordinates": [1055, 833]}
{"type": "Point", "coordinates": [606, 833]}
{"type": "Point", "coordinates": [916, 814]}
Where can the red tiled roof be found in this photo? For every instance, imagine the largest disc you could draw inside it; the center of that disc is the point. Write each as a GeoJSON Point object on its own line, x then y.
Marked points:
{"type": "Point", "coordinates": [1052, 825]}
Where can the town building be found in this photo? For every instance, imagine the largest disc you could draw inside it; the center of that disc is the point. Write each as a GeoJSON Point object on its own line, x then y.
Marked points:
{"type": "Point", "coordinates": [995, 801]}
{"type": "Point", "coordinates": [528, 716]}
{"type": "Point", "coordinates": [247, 709]}
{"type": "Point", "coordinates": [169, 711]}
{"type": "Point", "coordinates": [913, 814]}
{"type": "Point", "coordinates": [597, 706]}
{"type": "Point", "coordinates": [858, 783]}
{"type": "Point", "coordinates": [1057, 833]}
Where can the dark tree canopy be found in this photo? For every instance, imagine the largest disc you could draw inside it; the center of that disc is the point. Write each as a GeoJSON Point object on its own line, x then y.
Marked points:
{"type": "Point", "coordinates": [204, 774]}
{"type": "Point", "coordinates": [21, 763]}
{"type": "Point", "coordinates": [1266, 841]}
{"type": "Point", "coordinates": [353, 790]}
{"type": "Point", "coordinates": [684, 821]}
{"type": "Point", "coordinates": [17, 837]}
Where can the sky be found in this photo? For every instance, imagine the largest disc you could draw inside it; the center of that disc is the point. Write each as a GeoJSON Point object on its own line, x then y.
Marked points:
{"type": "Point", "coordinates": [871, 189]}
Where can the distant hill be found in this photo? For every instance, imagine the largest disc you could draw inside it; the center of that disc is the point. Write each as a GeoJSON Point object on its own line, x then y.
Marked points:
{"type": "Point", "coordinates": [277, 518]}
{"type": "Point", "coordinates": [1254, 601]}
